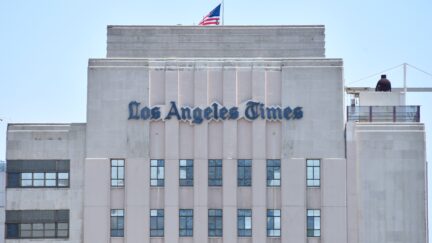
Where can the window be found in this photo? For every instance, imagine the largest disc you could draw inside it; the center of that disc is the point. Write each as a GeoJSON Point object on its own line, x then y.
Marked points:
{"type": "Point", "coordinates": [273, 172]}
{"type": "Point", "coordinates": [244, 172]}
{"type": "Point", "coordinates": [273, 222]}
{"type": "Point", "coordinates": [156, 223]}
{"type": "Point", "coordinates": [157, 172]}
{"type": "Point", "coordinates": [215, 222]}
{"type": "Point", "coordinates": [313, 172]}
{"type": "Point", "coordinates": [50, 179]}
{"type": "Point", "coordinates": [313, 222]}
{"type": "Point", "coordinates": [13, 180]}
{"type": "Point", "coordinates": [63, 179]}
{"type": "Point", "coordinates": [44, 179]}
{"type": "Point", "coordinates": [12, 231]}
{"type": "Point", "coordinates": [38, 179]}
{"type": "Point", "coordinates": [37, 224]}
{"type": "Point", "coordinates": [215, 172]}
{"type": "Point", "coordinates": [117, 222]}
{"type": "Point", "coordinates": [38, 230]}
{"type": "Point", "coordinates": [186, 222]}
{"type": "Point", "coordinates": [62, 230]}
{"type": "Point", "coordinates": [37, 173]}
{"type": "Point", "coordinates": [186, 172]}
{"type": "Point", "coordinates": [244, 222]}
{"type": "Point", "coordinates": [117, 172]}
{"type": "Point", "coordinates": [33, 230]}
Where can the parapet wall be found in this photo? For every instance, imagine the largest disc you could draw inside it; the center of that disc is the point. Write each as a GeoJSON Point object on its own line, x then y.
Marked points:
{"type": "Point", "coordinates": [215, 42]}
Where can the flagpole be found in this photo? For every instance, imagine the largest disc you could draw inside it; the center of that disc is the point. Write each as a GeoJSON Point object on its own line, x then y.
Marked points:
{"type": "Point", "coordinates": [223, 12]}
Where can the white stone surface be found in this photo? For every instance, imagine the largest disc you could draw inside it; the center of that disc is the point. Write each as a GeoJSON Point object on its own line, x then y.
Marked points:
{"type": "Point", "coordinates": [371, 98]}
{"type": "Point", "coordinates": [50, 141]}
{"type": "Point", "coordinates": [216, 41]}
{"type": "Point", "coordinates": [388, 201]}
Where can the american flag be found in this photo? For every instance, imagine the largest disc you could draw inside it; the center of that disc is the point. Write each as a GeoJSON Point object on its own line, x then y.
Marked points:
{"type": "Point", "coordinates": [212, 18]}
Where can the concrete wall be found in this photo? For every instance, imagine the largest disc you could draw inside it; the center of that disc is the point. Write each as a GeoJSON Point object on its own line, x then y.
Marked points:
{"type": "Point", "coordinates": [108, 136]}
{"type": "Point", "coordinates": [387, 183]}
{"type": "Point", "coordinates": [215, 41]}
{"type": "Point", "coordinates": [371, 98]}
{"type": "Point", "coordinates": [49, 141]}
{"type": "Point", "coordinates": [316, 85]}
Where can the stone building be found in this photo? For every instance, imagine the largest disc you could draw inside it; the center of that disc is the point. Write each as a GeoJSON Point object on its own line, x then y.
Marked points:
{"type": "Point", "coordinates": [219, 134]}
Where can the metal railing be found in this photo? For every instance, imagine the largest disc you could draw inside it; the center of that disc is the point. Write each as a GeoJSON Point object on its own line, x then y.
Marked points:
{"type": "Point", "coordinates": [383, 113]}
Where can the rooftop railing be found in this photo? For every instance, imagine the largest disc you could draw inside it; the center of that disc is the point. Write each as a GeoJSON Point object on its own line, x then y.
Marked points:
{"type": "Point", "coordinates": [383, 113]}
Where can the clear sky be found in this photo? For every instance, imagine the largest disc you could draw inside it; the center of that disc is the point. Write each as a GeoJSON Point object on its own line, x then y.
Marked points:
{"type": "Point", "coordinates": [45, 45]}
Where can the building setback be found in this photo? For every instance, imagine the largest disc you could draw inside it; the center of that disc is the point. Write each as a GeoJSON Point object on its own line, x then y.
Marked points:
{"type": "Point", "coordinates": [220, 134]}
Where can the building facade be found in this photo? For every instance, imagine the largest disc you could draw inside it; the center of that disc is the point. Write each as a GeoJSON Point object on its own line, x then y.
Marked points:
{"type": "Point", "coordinates": [2, 199]}
{"type": "Point", "coordinates": [219, 134]}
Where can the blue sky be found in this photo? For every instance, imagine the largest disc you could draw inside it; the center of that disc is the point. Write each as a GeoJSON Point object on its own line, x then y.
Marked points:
{"type": "Point", "coordinates": [45, 44]}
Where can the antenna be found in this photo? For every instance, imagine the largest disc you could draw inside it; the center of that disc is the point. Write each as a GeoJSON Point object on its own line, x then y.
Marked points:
{"type": "Point", "coordinates": [404, 89]}
{"type": "Point", "coordinates": [223, 12]}
{"type": "Point", "coordinates": [405, 80]}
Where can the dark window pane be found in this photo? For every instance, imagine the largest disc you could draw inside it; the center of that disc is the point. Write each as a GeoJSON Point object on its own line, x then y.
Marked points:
{"type": "Point", "coordinates": [117, 222]}
{"type": "Point", "coordinates": [215, 173]}
{"type": "Point", "coordinates": [11, 230]}
{"type": "Point", "coordinates": [215, 222]}
{"type": "Point", "coordinates": [160, 222]}
{"type": "Point", "coordinates": [13, 180]}
{"type": "Point", "coordinates": [244, 173]}
{"type": "Point", "coordinates": [156, 223]}
{"type": "Point", "coordinates": [153, 223]}
{"type": "Point", "coordinates": [186, 222]}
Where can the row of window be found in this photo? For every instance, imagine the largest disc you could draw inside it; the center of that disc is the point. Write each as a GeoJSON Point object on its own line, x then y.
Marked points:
{"type": "Point", "coordinates": [37, 224]}
{"type": "Point", "coordinates": [48, 179]}
{"type": "Point", "coordinates": [215, 222]}
{"type": "Point", "coordinates": [38, 230]}
{"type": "Point", "coordinates": [38, 179]}
{"type": "Point", "coordinates": [37, 173]}
{"type": "Point", "coordinates": [157, 174]}
{"type": "Point", "coordinates": [244, 172]}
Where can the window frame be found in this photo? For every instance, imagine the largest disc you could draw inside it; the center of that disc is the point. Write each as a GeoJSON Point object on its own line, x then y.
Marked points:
{"type": "Point", "coordinates": [313, 173]}
{"type": "Point", "coordinates": [119, 227]}
{"type": "Point", "coordinates": [117, 181]}
{"type": "Point", "coordinates": [242, 227]}
{"type": "Point", "coordinates": [273, 223]}
{"type": "Point", "coordinates": [61, 179]}
{"type": "Point", "coordinates": [215, 223]}
{"type": "Point", "coordinates": [271, 170]}
{"type": "Point", "coordinates": [160, 215]}
{"type": "Point", "coordinates": [313, 222]}
{"type": "Point", "coordinates": [43, 180]}
{"type": "Point", "coordinates": [246, 171]}
{"type": "Point", "coordinates": [41, 173]}
{"type": "Point", "coordinates": [36, 224]}
{"type": "Point", "coordinates": [187, 216]}
{"type": "Point", "coordinates": [31, 230]}
{"type": "Point", "coordinates": [188, 169]}
{"type": "Point", "coordinates": [57, 227]}
{"type": "Point", "coordinates": [217, 169]}
{"type": "Point", "coordinates": [160, 180]}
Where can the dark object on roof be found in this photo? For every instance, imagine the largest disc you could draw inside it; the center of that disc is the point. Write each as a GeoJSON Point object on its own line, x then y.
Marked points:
{"type": "Point", "coordinates": [383, 84]}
